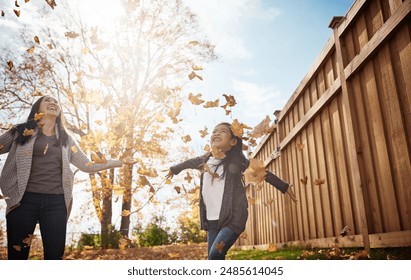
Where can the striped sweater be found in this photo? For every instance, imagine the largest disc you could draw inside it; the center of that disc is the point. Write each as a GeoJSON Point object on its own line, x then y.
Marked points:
{"type": "Point", "coordinates": [16, 170]}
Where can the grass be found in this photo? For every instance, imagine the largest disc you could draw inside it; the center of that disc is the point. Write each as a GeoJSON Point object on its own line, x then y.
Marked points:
{"type": "Point", "coordinates": [298, 253]}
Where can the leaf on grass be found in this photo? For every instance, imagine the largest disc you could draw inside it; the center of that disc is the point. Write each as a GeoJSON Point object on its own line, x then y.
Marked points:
{"type": "Point", "coordinates": [304, 180]}
{"type": "Point", "coordinates": [28, 132]}
{"type": "Point", "coordinates": [195, 99]}
{"type": "Point", "coordinates": [255, 173]}
{"type": "Point", "coordinates": [212, 104]}
{"type": "Point", "coordinates": [272, 247]}
{"type": "Point", "coordinates": [319, 182]}
{"type": "Point", "coordinates": [204, 132]}
{"type": "Point", "coordinates": [125, 213]}
{"type": "Point", "coordinates": [186, 138]}
{"type": "Point", "coordinates": [261, 128]}
{"type": "Point", "coordinates": [220, 246]}
{"type": "Point", "coordinates": [10, 64]}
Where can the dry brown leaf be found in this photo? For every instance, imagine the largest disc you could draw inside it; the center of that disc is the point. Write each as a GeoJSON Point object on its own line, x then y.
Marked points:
{"type": "Point", "coordinates": [272, 247]}
{"type": "Point", "coordinates": [231, 102]}
{"type": "Point", "coordinates": [196, 68]}
{"type": "Point", "coordinates": [344, 231]}
{"type": "Point", "coordinates": [36, 39]}
{"type": "Point", "coordinates": [28, 239]}
{"type": "Point", "coordinates": [244, 235]}
{"type": "Point", "coordinates": [98, 158]}
{"type": "Point", "coordinates": [299, 147]}
{"type": "Point", "coordinates": [178, 189]}
{"type": "Point", "coordinates": [251, 200]}
{"type": "Point", "coordinates": [220, 246]}
{"type": "Point", "coordinates": [186, 138]}
{"type": "Point", "coordinates": [10, 64]}
{"type": "Point", "coordinates": [38, 116]}
{"type": "Point", "coordinates": [206, 168]}
{"type": "Point", "coordinates": [31, 50]}
{"type": "Point", "coordinates": [195, 99]}
{"type": "Point", "coordinates": [16, 12]}
{"type": "Point", "coordinates": [319, 182]}
{"type": "Point", "coordinates": [188, 178]}
{"type": "Point", "coordinates": [71, 34]}
{"type": "Point", "coordinates": [304, 180]}
{"type": "Point", "coordinates": [51, 3]}
{"type": "Point", "coordinates": [238, 128]}
{"type": "Point", "coordinates": [125, 213]}
{"type": "Point", "coordinates": [269, 202]}
{"type": "Point", "coordinates": [28, 132]}
{"type": "Point", "coordinates": [255, 173]}
{"type": "Point", "coordinates": [74, 149]}
{"type": "Point", "coordinates": [204, 132]}
{"type": "Point", "coordinates": [1, 146]}
{"type": "Point", "coordinates": [17, 247]}
{"type": "Point", "coordinates": [207, 148]}
{"type": "Point", "coordinates": [261, 128]}
{"type": "Point", "coordinates": [212, 104]}
{"type": "Point", "coordinates": [2, 13]}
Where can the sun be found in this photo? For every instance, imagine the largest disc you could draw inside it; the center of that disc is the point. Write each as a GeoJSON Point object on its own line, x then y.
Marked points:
{"type": "Point", "coordinates": [100, 13]}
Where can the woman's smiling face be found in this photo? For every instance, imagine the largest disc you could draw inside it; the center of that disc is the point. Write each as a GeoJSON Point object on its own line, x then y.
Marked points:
{"type": "Point", "coordinates": [49, 106]}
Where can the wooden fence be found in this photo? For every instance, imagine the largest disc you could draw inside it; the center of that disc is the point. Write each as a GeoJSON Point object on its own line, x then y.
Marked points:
{"type": "Point", "coordinates": [345, 140]}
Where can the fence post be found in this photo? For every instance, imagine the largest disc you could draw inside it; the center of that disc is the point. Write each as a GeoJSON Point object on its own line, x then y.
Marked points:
{"type": "Point", "coordinates": [348, 125]}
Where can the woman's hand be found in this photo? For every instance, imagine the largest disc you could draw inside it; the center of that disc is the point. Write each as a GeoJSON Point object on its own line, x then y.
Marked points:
{"type": "Point", "coordinates": [170, 175]}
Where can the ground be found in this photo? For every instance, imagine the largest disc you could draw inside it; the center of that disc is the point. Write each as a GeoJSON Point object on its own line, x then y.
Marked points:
{"type": "Point", "coordinates": [199, 252]}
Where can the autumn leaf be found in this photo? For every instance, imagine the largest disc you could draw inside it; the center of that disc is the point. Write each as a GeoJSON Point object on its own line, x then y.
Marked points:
{"type": "Point", "coordinates": [31, 50]}
{"type": "Point", "coordinates": [204, 132]}
{"type": "Point", "coordinates": [261, 128]}
{"type": "Point", "coordinates": [188, 178]}
{"type": "Point", "coordinates": [299, 147]}
{"type": "Point", "coordinates": [344, 231]}
{"type": "Point", "coordinates": [36, 39]}
{"type": "Point", "coordinates": [51, 3]}
{"type": "Point", "coordinates": [195, 99]}
{"type": "Point", "coordinates": [207, 148]}
{"type": "Point", "coordinates": [193, 75]}
{"type": "Point", "coordinates": [16, 4]}
{"type": "Point", "coordinates": [160, 118]}
{"type": "Point", "coordinates": [74, 149]}
{"type": "Point", "coordinates": [212, 104]}
{"type": "Point", "coordinates": [244, 235]}
{"type": "Point", "coordinates": [186, 138]}
{"type": "Point", "coordinates": [206, 168]}
{"type": "Point", "coordinates": [125, 213]}
{"type": "Point", "coordinates": [319, 182]}
{"type": "Point", "coordinates": [36, 93]}
{"type": "Point", "coordinates": [50, 46]}
{"type": "Point", "coordinates": [251, 200]}
{"type": "Point", "coordinates": [71, 34]}
{"type": "Point", "coordinates": [178, 189]}
{"type": "Point", "coordinates": [10, 64]}
{"type": "Point", "coordinates": [220, 246]}
{"type": "Point", "coordinates": [98, 158]}
{"type": "Point", "coordinates": [269, 202]}
{"type": "Point", "coordinates": [272, 247]}
{"type": "Point", "coordinates": [28, 132]}
{"type": "Point", "coordinates": [17, 12]}
{"type": "Point", "coordinates": [196, 68]}
{"type": "Point", "coordinates": [38, 116]}
{"type": "Point", "coordinates": [17, 247]}
{"type": "Point", "coordinates": [143, 181]}
{"type": "Point", "coordinates": [2, 13]}
{"type": "Point", "coordinates": [28, 239]}
{"type": "Point", "coordinates": [255, 173]}
{"type": "Point", "coordinates": [238, 128]}
{"type": "Point", "coordinates": [304, 180]}
{"type": "Point", "coordinates": [129, 160]}
{"type": "Point", "coordinates": [230, 100]}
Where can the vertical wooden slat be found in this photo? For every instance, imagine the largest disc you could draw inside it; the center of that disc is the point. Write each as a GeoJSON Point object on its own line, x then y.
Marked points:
{"type": "Point", "coordinates": [300, 191]}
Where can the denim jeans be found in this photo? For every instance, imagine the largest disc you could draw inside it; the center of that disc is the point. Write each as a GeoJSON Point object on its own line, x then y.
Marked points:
{"type": "Point", "coordinates": [49, 210]}
{"type": "Point", "coordinates": [219, 240]}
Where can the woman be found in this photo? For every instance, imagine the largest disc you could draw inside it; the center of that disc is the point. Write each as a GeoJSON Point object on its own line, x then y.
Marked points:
{"type": "Point", "coordinates": [223, 202]}
{"type": "Point", "coordinates": [38, 181]}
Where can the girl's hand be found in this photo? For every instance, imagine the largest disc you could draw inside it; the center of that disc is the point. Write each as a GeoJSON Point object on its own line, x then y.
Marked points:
{"type": "Point", "coordinates": [291, 194]}
{"type": "Point", "coordinates": [170, 175]}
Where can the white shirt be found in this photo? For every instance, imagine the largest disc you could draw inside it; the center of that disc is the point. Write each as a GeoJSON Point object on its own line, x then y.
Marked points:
{"type": "Point", "coordinates": [213, 190]}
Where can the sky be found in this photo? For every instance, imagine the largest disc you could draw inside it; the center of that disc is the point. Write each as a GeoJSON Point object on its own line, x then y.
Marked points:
{"type": "Point", "coordinates": [265, 48]}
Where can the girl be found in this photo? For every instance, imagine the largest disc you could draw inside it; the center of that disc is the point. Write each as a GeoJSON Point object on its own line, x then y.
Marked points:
{"type": "Point", "coordinates": [223, 202]}
{"type": "Point", "coordinates": [38, 181]}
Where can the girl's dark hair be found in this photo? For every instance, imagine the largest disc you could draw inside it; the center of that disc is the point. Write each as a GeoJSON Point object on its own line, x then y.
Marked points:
{"type": "Point", "coordinates": [32, 124]}
{"type": "Point", "coordinates": [234, 155]}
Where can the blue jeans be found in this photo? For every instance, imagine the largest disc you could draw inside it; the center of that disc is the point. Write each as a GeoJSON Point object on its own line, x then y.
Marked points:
{"type": "Point", "coordinates": [49, 210]}
{"type": "Point", "coordinates": [219, 240]}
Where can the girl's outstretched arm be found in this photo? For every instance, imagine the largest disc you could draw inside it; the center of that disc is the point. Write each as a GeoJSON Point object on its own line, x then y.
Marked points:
{"type": "Point", "coordinates": [194, 163]}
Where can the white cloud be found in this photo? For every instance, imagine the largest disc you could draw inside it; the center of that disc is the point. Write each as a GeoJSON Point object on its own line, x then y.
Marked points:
{"type": "Point", "coordinates": [256, 100]}
{"type": "Point", "coordinates": [224, 22]}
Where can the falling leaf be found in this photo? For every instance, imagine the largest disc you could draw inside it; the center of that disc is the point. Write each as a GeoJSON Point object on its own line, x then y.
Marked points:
{"type": "Point", "coordinates": [272, 247]}
{"type": "Point", "coordinates": [16, 4]}
{"type": "Point", "coordinates": [26, 1]}
{"type": "Point", "coordinates": [188, 178]}
{"type": "Point", "coordinates": [31, 50]}
{"type": "Point", "coordinates": [38, 116]}
{"type": "Point", "coordinates": [194, 43]}
{"type": "Point", "coordinates": [129, 160]}
{"type": "Point", "coordinates": [50, 46]}
{"type": "Point", "coordinates": [255, 173]}
{"type": "Point", "coordinates": [99, 122]}
{"type": "Point", "coordinates": [52, 3]}
{"type": "Point", "coordinates": [71, 34]}
{"type": "Point", "coordinates": [46, 149]}
{"type": "Point", "coordinates": [206, 168]}
{"type": "Point", "coordinates": [186, 138]}
{"type": "Point", "coordinates": [36, 39]}
{"type": "Point", "coordinates": [160, 118]}
{"type": "Point", "coordinates": [36, 93]}
{"type": "Point", "coordinates": [28, 132]}
{"type": "Point", "coordinates": [17, 12]}
{"type": "Point", "coordinates": [10, 64]}
{"type": "Point", "coordinates": [28, 239]}
{"type": "Point", "coordinates": [251, 200]}
{"type": "Point", "coordinates": [238, 128]}
{"type": "Point", "coordinates": [304, 180]}
{"type": "Point", "coordinates": [74, 149]}
{"type": "Point", "coordinates": [196, 68]}
{"type": "Point", "coordinates": [230, 100]}
{"type": "Point", "coordinates": [143, 181]}
{"type": "Point", "coordinates": [17, 247]}
{"type": "Point", "coordinates": [217, 153]}
{"type": "Point", "coordinates": [193, 75]}
{"type": "Point", "coordinates": [125, 213]}
{"type": "Point", "coordinates": [261, 128]}
{"type": "Point", "coordinates": [244, 235]}
{"type": "Point", "coordinates": [299, 146]}
{"type": "Point", "coordinates": [207, 148]}
{"type": "Point", "coordinates": [98, 158]}
{"type": "Point", "coordinates": [195, 99]}
{"type": "Point", "coordinates": [344, 231]}
{"type": "Point", "coordinates": [269, 202]}
{"type": "Point", "coordinates": [220, 246]}
{"type": "Point", "coordinates": [178, 189]}
{"type": "Point", "coordinates": [123, 243]}
{"type": "Point", "coordinates": [212, 104]}
{"type": "Point", "coordinates": [2, 13]}
{"type": "Point", "coordinates": [204, 132]}
{"type": "Point", "coordinates": [319, 182]}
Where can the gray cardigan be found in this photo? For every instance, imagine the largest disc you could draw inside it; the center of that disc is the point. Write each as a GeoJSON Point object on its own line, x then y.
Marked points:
{"type": "Point", "coordinates": [234, 208]}
{"type": "Point", "coordinates": [16, 170]}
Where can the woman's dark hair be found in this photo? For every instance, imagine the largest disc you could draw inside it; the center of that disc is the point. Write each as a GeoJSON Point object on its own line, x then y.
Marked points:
{"type": "Point", "coordinates": [32, 124]}
{"type": "Point", "coordinates": [234, 155]}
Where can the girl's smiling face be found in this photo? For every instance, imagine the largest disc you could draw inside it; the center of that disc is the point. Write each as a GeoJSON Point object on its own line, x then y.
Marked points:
{"type": "Point", "coordinates": [222, 138]}
{"type": "Point", "coordinates": [49, 106]}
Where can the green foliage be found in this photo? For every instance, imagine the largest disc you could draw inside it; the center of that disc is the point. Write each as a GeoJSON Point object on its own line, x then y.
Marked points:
{"type": "Point", "coordinates": [153, 235]}
{"type": "Point", "coordinates": [94, 240]}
